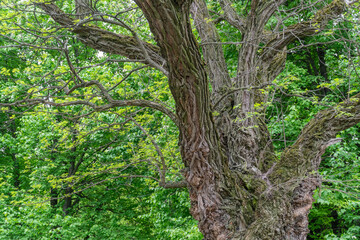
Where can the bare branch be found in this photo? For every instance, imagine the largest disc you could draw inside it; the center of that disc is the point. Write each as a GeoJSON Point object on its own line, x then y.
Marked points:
{"type": "Point", "coordinates": [231, 91]}
{"type": "Point", "coordinates": [112, 104]}
{"type": "Point", "coordinates": [163, 168]}
{"type": "Point", "coordinates": [71, 65]}
{"type": "Point", "coordinates": [142, 103]}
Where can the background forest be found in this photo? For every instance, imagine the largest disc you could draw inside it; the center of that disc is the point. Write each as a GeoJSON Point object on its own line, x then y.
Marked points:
{"type": "Point", "coordinates": [73, 173]}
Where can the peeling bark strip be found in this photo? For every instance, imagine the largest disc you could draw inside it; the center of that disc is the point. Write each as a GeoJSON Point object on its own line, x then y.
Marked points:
{"type": "Point", "coordinates": [238, 188]}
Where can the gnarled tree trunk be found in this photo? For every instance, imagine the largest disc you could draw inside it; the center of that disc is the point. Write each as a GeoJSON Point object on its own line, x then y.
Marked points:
{"type": "Point", "coordinates": [238, 188]}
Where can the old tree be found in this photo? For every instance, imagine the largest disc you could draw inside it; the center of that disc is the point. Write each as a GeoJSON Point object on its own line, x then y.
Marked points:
{"type": "Point", "coordinates": [239, 187]}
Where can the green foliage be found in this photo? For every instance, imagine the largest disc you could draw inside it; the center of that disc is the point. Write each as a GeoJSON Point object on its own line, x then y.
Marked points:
{"type": "Point", "coordinates": [336, 213]}
{"type": "Point", "coordinates": [49, 150]}
{"type": "Point", "coordinates": [111, 166]}
{"type": "Point", "coordinates": [169, 212]}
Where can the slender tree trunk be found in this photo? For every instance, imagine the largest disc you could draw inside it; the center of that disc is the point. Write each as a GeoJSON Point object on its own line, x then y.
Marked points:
{"type": "Point", "coordinates": [54, 197]}
{"type": "Point", "coordinates": [67, 201]}
{"type": "Point", "coordinates": [75, 163]}
{"type": "Point", "coordinates": [310, 60]}
{"type": "Point", "coordinates": [16, 171]}
{"type": "Point", "coordinates": [321, 51]}
{"type": "Point", "coordinates": [322, 63]}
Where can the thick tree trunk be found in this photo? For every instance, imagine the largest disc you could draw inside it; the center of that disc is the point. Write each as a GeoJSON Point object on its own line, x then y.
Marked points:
{"type": "Point", "coordinates": [238, 188]}
{"type": "Point", "coordinates": [203, 158]}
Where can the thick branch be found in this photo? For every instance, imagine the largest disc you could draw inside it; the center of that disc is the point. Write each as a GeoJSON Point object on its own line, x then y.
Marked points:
{"type": "Point", "coordinates": [304, 155]}
{"type": "Point", "coordinates": [213, 53]}
{"type": "Point", "coordinates": [231, 16]}
{"type": "Point", "coordinates": [181, 184]}
{"type": "Point", "coordinates": [267, 9]}
{"type": "Point", "coordinates": [303, 29]}
{"type": "Point", "coordinates": [106, 41]}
